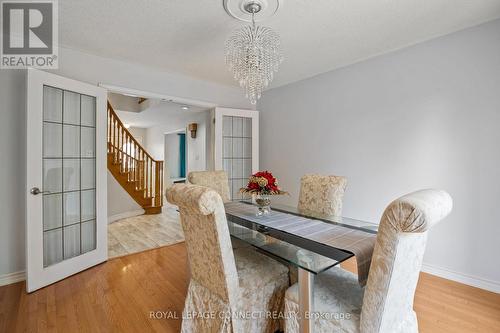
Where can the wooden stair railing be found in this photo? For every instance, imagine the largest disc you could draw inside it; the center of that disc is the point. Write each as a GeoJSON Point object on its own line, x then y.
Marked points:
{"type": "Point", "coordinates": [133, 167]}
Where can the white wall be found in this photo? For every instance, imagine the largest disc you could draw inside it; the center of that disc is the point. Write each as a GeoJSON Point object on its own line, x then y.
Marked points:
{"type": "Point", "coordinates": [139, 134]}
{"type": "Point", "coordinates": [426, 116]}
{"type": "Point", "coordinates": [13, 169]}
{"type": "Point", "coordinates": [197, 154]}
{"type": "Point", "coordinates": [87, 68]}
{"type": "Point", "coordinates": [172, 154]}
{"type": "Point", "coordinates": [120, 202]}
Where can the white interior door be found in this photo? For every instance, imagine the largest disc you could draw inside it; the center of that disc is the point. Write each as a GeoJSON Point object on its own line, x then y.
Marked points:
{"type": "Point", "coordinates": [236, 134]}
{"type": "Point", "coordinates": [66, 224]}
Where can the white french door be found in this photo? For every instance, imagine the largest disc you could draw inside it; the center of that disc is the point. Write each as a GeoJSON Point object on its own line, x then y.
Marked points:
{"type": "Point", "coordinates": [66, 223]}
{"type": "Point", "coordinates": [236, 134]}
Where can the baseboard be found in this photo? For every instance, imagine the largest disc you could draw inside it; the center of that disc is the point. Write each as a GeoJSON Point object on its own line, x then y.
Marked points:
{"type": "Point", "coordinates": [12, 278]}
{"type": "Point", "coordinates": [124, 215]}
{"type": "Point", "coordinates": [469, 280]}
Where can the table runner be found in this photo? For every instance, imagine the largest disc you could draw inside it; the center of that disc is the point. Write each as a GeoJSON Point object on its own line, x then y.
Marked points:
{"type": "Point", "coordinates": [358, 242]}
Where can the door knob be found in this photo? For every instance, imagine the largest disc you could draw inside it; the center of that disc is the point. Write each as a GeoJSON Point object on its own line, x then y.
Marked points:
{"type": "Point", "coordinates": [36, 191]}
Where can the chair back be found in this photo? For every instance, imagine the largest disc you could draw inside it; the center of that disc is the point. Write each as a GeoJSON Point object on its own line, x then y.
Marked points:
{"type": "Point", "coordinates": [322, 194]}
{"type": "Point", "coordinates": [216, 180]}
{"type": "Point", "coordinates": [208, 242]}
{"type": "Point", "coordinates": [397, 260]}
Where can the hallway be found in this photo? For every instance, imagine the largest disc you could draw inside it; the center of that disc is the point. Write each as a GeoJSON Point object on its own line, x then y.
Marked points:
{"type": "Point", "coordinates": [144, 232]}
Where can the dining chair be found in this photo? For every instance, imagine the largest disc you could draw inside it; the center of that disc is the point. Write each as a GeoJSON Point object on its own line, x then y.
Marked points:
{"type": "Point", "coordinates": [385, 305]}
{"type": "Point", "coordinates": [322, 194]}
{"type": "Point", "coordinates": [216, 180]}
{"type": "Point", "coordinates": [224, 281]}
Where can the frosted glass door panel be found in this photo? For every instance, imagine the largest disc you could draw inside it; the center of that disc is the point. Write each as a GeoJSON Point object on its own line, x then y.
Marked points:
{"type": "Point", "coordinates": [52, 104]}
{"type": "Point", "coordinates": [71, 236]}
{"type": "Point", "coordinates": [88, 205]}
{"type": "Point", "coordinates": [52, 213]}
{"type": "Point", "coordinates": [88, 239]}
{"type": "Point", "coordinates": [52, 175]}
{"type": "Point", "coordinates": [237, 152]}
{"type": "Point", "coordinates": [88, 142]}
{"type": "Point", "coordinates": [52, 247]}
{"type": "Point", "coordinates": [71, 207]}
{"type": "Point", "coordinates": [87, 174]}
{"type": "Point", "coordinates": [68, 182]}
{"type": "Point", "coordinates": [52, 139]}
{"type": "Point", "coordinates": [71, 141]}
{"type": "Point", "coordinates": [71, 108]}
{"type": "Point", "coordinates": [87, 111]}
{"type": "Point", "coordinates": [71, 174]}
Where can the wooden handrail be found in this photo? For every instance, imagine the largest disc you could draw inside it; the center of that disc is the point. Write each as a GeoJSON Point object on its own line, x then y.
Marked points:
{"type": "Point", "coordinates": [136, 170]}
{"type": "Point", "coordinates": [110, 109]}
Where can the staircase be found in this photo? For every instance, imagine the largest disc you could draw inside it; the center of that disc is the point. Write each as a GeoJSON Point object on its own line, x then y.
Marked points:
{"type": "Point", "coordinates": [131, 165]}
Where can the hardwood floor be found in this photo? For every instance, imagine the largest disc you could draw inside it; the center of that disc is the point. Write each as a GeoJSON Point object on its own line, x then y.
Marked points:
{"type": "Point", "coordinates": [116, 296]}
{"type": "Point", "coordinates": [119, 295]}
{"type": "Point", "coordinates": [447, 306]}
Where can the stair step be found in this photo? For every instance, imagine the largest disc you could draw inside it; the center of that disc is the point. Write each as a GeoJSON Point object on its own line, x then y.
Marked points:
{"type": "Point", "coordinates": [149, 210]}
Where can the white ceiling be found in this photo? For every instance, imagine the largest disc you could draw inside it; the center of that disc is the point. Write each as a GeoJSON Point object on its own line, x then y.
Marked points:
{"type": "Point", "coordinates": [187, 36]}
{"type": "Point", "coordinates": [159, 113]}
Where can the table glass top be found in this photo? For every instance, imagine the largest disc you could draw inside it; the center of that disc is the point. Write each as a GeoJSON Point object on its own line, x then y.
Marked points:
{"type": "Point", "coordinates": [295, 255]}
{"type": "Point", "coordinates": [299, 252]}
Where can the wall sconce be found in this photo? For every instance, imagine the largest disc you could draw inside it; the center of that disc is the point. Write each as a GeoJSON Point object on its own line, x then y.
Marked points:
{"type": "Point", "coordinates": [192, 128]}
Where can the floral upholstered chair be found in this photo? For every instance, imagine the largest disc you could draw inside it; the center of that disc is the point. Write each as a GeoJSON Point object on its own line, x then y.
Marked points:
{"type": "Point", "coordinates": [223, 281]}
{"type": "Point", "coordinates": [322, 194]}
{"type": "Point", "coordinates": [386, 303]}
{"type": "Point", "coordinates": [216, 180]}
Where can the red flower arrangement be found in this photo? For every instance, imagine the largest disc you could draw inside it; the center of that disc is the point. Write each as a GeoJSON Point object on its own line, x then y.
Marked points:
{"type": "Point", "coordinates": [262, 183]}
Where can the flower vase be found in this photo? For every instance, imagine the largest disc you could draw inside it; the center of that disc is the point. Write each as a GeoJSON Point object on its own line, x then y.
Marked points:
{"type": "Point", "coordinates": [263, 204]}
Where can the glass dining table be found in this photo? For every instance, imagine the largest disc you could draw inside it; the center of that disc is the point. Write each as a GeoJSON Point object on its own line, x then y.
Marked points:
{"type": "Point", "coordinates": [308, 255]}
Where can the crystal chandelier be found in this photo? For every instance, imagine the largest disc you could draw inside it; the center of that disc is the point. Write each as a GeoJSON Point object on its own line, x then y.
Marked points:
{"type": "Point", "coordinates": [253, 54]}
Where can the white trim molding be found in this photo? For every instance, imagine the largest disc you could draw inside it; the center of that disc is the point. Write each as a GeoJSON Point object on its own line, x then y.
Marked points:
{"type": "Point", "coordinates": [147, 94]}
{"type": "Point", "coordinates": [469, 280]}
{"type": "Point", "coordinates": [125, 215]}
{"type": "Point", "coordinates": [10, 278]}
